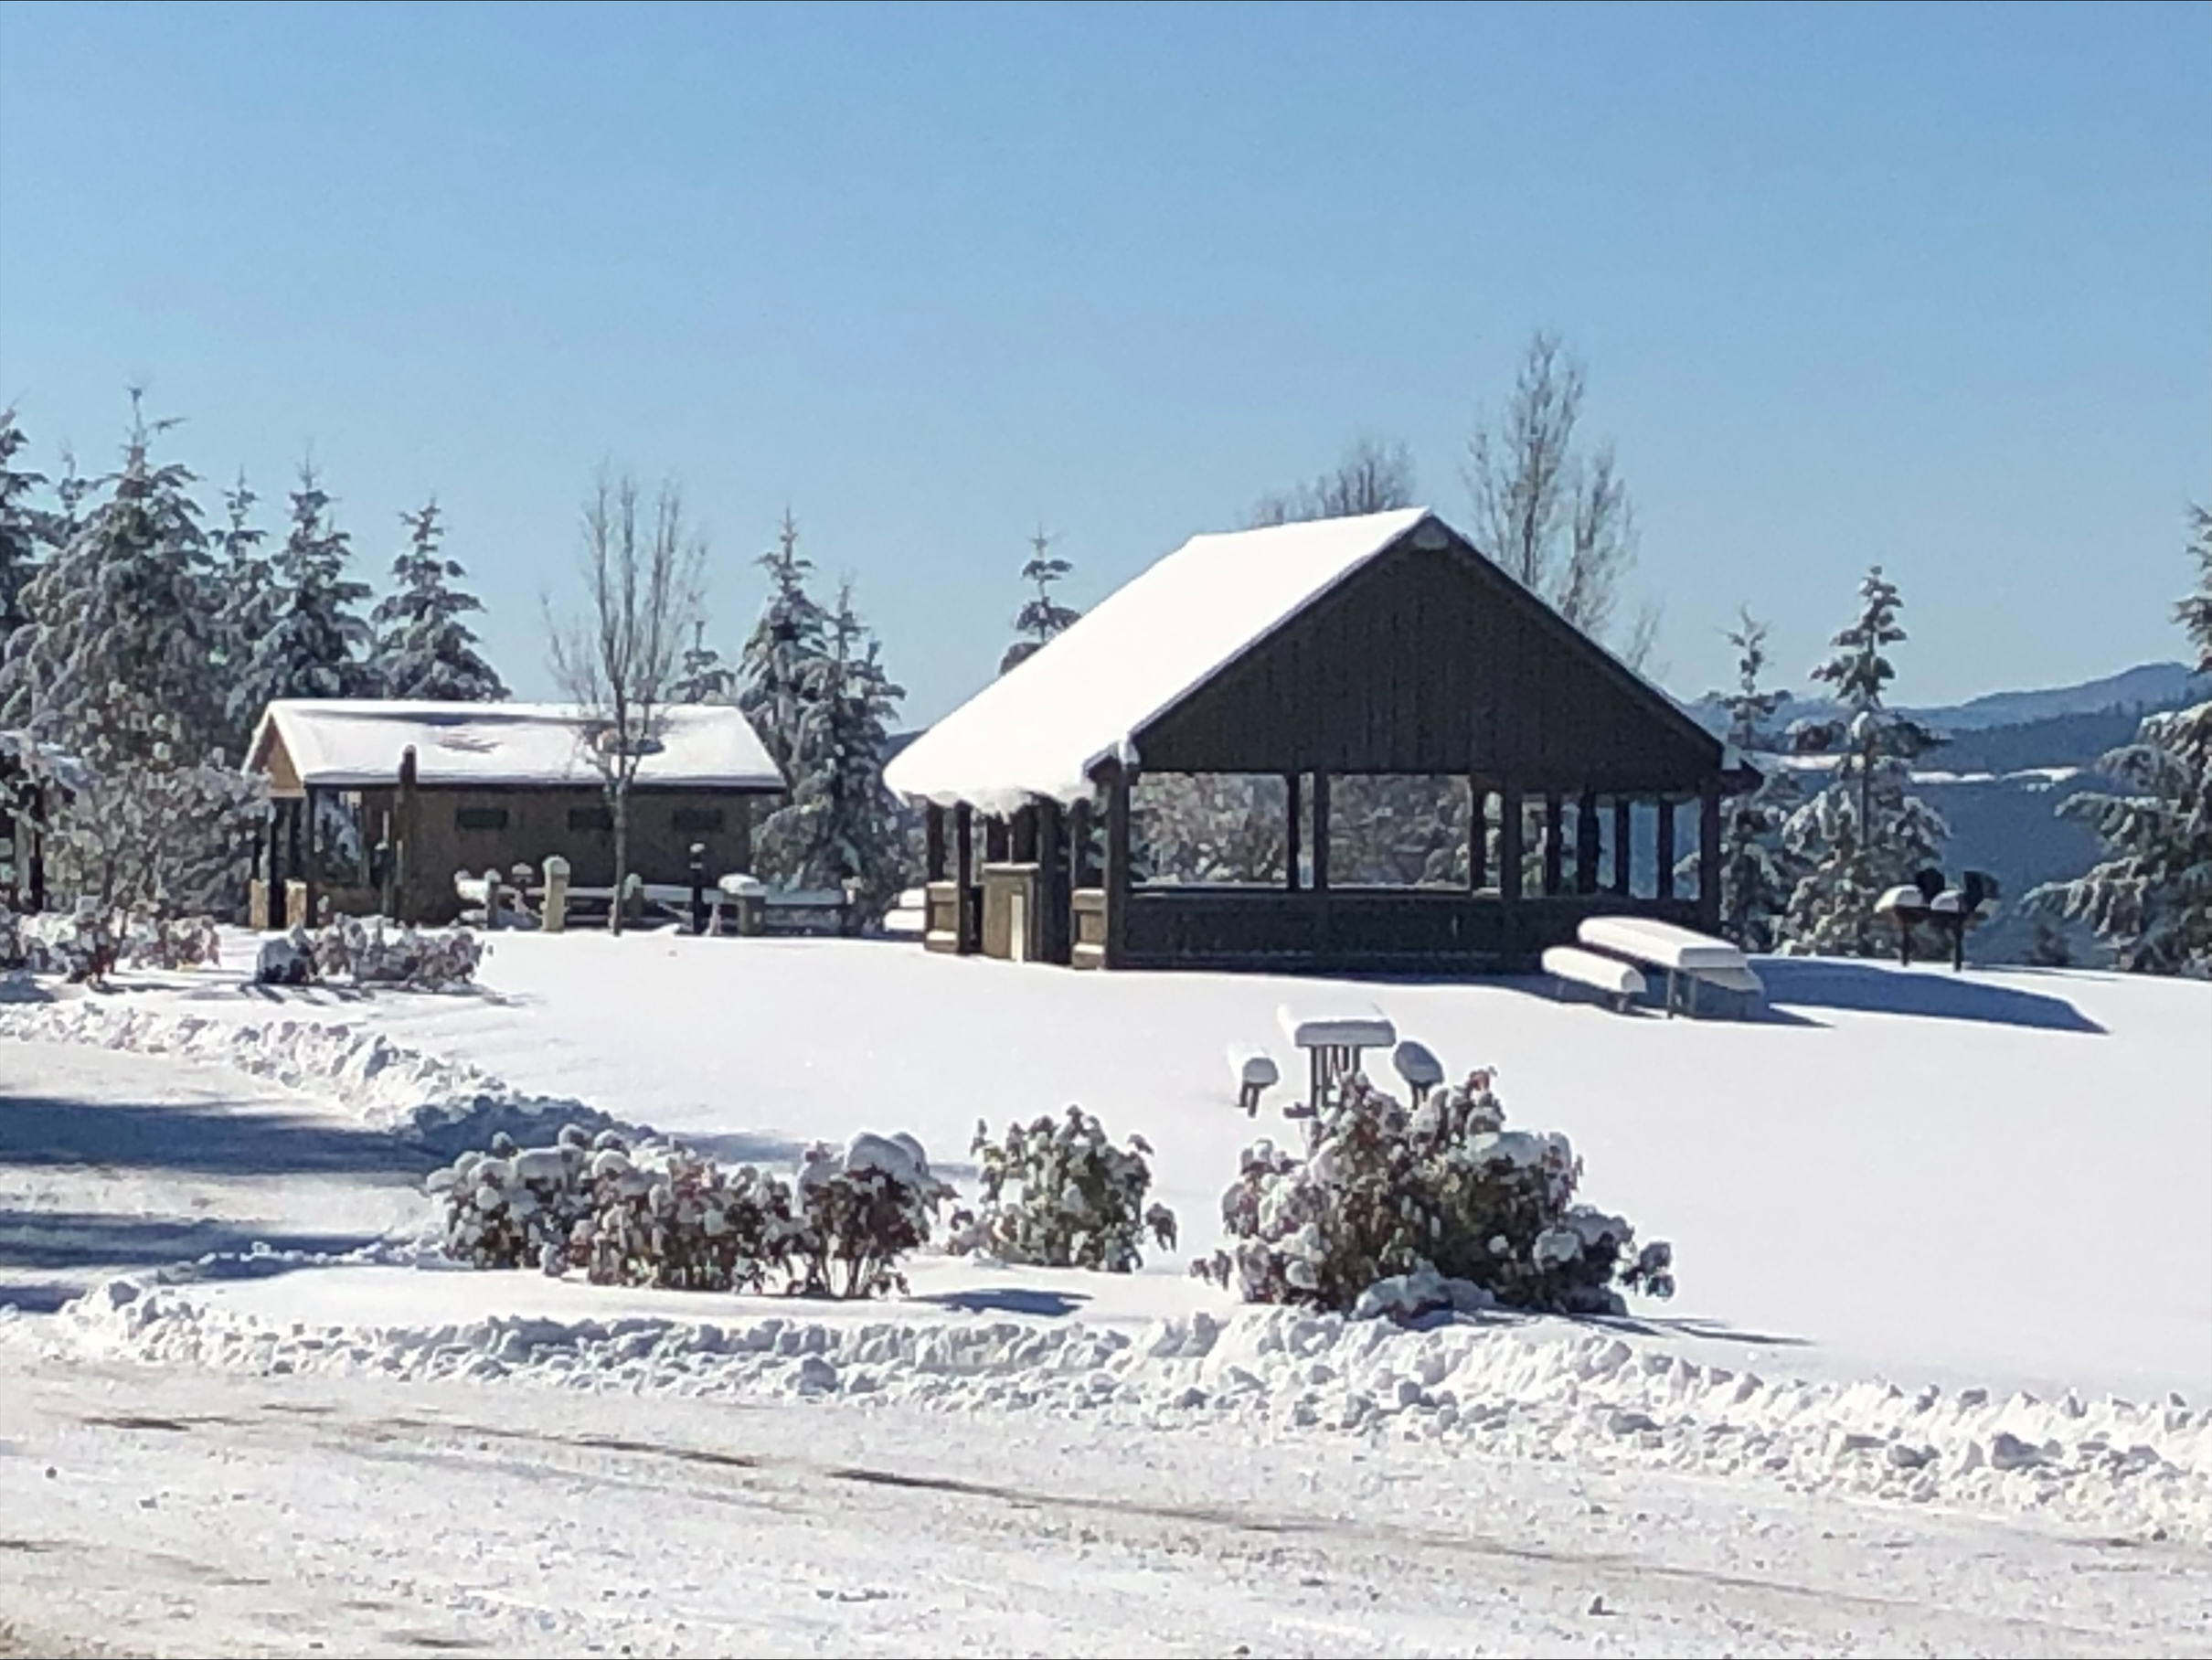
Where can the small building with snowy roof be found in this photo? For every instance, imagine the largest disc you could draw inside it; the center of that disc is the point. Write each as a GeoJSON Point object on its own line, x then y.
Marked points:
{"type": "Point", "coordinates": [1349, 744]}
{"type": "Point", "coordinates": [376, 805]}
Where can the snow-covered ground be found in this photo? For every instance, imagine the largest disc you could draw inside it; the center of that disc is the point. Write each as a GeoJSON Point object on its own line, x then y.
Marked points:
{"type": "Point", "coordinates": [1928, 1226]}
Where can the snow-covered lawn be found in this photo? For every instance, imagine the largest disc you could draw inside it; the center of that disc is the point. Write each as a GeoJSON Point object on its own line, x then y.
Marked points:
{"type": "Point", "coordinates": [1924, 1225]}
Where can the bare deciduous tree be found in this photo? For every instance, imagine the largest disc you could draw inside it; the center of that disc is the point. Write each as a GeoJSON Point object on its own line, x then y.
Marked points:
{"type": "Point", "coordinates": [644, 589]}
{"type": "Point", "coordinates": [1559, 522]}
{"type": "Point", "coordinates": [1372, 477]}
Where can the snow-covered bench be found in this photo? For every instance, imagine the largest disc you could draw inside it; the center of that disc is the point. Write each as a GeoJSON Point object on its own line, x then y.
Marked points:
{"type": "Point", "coordinates": [1334, 1041]}
{"type": "Point", "coordinates": [1254, 1072]}
{"type": "Point", "coordinates": [1691, 961]}
{"type": "Point", "coordinates": [1418, 1065]}
{"type": "Point", "coordinates": [1571, 965]}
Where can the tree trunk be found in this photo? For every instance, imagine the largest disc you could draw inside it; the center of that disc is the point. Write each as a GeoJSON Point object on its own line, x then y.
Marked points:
{"type": "Point", "coordinates": [621, 857]}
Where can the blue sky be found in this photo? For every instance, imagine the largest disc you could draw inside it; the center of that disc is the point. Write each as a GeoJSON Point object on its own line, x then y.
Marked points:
{"type": "Point", "coordinates": [1928, 286]}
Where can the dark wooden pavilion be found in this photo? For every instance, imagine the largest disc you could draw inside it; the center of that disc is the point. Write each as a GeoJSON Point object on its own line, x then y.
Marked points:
{"type": "Point", "coordinates": [1377, 646]}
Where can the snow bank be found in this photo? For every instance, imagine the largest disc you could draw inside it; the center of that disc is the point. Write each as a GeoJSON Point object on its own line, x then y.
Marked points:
{"type": "Point", "coordinates": [1484, 1387]}
{"type": "Point", "coordinates": [443, 1106]}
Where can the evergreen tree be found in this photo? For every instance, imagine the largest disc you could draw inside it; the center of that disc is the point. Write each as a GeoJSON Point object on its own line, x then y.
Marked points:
{"type": "Point", "coordinates": [2151, 896]}
{"type": "Point", "coordinates": [421, 648]}
{"type": "Point", "coordinates": [781, 654]}
{"type": "Point", "coordinates": [702, 677]}
{"type": "Point", "coordinates": [1041, 616]}
{"type": "Point", "coordinates": [311, 646]}
{"type": "Point", "coordinates": [24, 530]}
{"type": "Point", "coordinates": [117, 667]}
{"type": "Point", "coordinates": [246, 610]}
{"type": "Point", "coordinates": [1863, 833]}
{"type": "Point", "coordinates": [840, 824]}
{"type": "Point", "coordinates": [1757, 873]}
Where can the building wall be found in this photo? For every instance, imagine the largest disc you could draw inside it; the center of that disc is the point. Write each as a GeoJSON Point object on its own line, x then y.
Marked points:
{"type": "Point", "coordinates": [451, 832]}
{"type": "Point", "coordinates": [1434, 661]}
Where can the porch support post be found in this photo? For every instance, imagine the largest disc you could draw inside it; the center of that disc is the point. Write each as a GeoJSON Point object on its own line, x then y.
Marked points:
{"type": "Point", "coordinates": [1078, 843]}
{"type": "Point", "coordinates": [963, 878]}
{"type": "Point", "coordinates": [1708, 855]}
{"type": "Point", "coordinates": [1623, 826]}
{"type": "Point", "coordinates": [1553, 834]}
{"type": "Point", "coordinates": [1321, 833]}
{"type": "Point", "coordinates": [1054, 934]}
{"type": "Point", "coordinates": [1585, 842]}
{"type": "Point", "coordinates": [315, 862]}
{"type": "Point", "coordinates": [296, 860]}
{"type": "Point", "coordinates": [1291, 851]}
{"type": "Point", "coordinates": [272, 864]}
{"type": "Point", "coordinates": [1478, 835]}
{"type": "Point", "coordinates": [1665, 889]}
{"type": "Point", "coordinates": [1509, 871]}
{"type": "Point", "coordinates": [1117, 866]}
{"type": "Point", "coordinates": [995, 840]}
{"type": "Point", "coordinates": [934, 842]}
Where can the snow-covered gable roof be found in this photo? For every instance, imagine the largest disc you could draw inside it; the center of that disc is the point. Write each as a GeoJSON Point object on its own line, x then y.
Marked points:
{"type": "Point", "coordinates": [1039, 729]}
{"type": "Point", "coordinates": [351, 743]}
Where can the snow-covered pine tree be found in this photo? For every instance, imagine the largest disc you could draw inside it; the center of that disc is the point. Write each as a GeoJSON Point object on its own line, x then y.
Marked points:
{"type": "Point", "coordinates": [779, 657]}
{"type": "Point", "coordinates": [702, 677]}
{"type": "Point", "coordinates": [1863, 833]}
{"type": "Point", "coordinates": [2151, 896]}
{"type": "Point", "coordinates": [1756, 874]}
{"type": "Point", "coordinates": [840, 824]}
{"type": "Point", "coordinates": [117, 668]}
{"type": "Point", "coordinates": [1041, 615]}
{"type": "Point", "coordinates": [24, 530]}
{"type": "Point", "coordinates": [245, 608]}
{"type": "Point", "coordinates": [419, 646]}
{"type": "Point", "coordinates": [312, 646]}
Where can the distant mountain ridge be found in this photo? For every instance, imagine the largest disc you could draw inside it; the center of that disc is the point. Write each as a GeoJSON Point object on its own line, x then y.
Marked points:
{"type": "Point", "coordinates": [2142, 690]}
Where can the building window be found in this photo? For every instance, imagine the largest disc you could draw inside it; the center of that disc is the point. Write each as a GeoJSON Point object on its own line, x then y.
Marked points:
{"type": "Point", "coordinates": [591, 818]}
{"type": "Point", "coordinates": [708, 819]}
{"type": "Point", "coordinates": [480, 818]}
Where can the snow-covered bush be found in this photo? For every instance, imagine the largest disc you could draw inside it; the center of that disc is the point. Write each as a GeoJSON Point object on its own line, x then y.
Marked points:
{"type": "Point", "coordinates": [863, 1210]}
{"type": "Point", "coordinates": [288, 960]}
{"type": "Point", "coordinates": [668, 1217]}
{"type": "Point", "coordinates": [85, 944]}
{"type": "Point", "coordinates": [1385, 1191]}
{"type": "Point", "coordinates": [1058, 1194]}
{"type": "Point", "coordinates": [428, 959]}
{"type": "Point", "coordinates": [663, 1215]}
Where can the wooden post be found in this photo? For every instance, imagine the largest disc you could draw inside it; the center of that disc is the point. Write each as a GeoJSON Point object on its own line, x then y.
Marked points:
{"type": "Point", "coordinates": [1117, 866]}
{"type": "Point", "coordinates": [315, 862]}
{"type": "Point", "coordinates": [994, 840]}
{"type": "Point", "coordinates": [1054, 925]}
{"type": "Point", "coordinates": [1709, 856]}
{"type": "Point", "coordinates": [1478, 836]}
{"type": "Point", "coordinates": [274, 868]}
{"type": "Point", "coordinates": [1321, 833]}
{"type": "Point", "coordinates": [1623, 826]}
{"type": "Point", "coordinates": [1585, 842]}
{"type": "Point", "coordinates": [1078, 843]}
{"type": "Point", "coordinates": [1509, 871]}
{"type": "Point", "coordinates": [1292, 852]}
{"type": "Point", "coordinates": [408, 821]}
{"type": "Point", "coordinates": [1665, 889]}
{"type": "Point", "coordinates": [1022, 836]}
{"type": "Point", "coordinates": [557, 893]}
{"type": "Point", "coordinates": [1555, 828]}
{"type": "Point", "coordinates": [963, 878]}
{"type": "Point", "coordinates": [699, 887]}
{"type": "Point", "coordinates": [933, 838]}
{"type": "Point", "coordinates": [296, 861]}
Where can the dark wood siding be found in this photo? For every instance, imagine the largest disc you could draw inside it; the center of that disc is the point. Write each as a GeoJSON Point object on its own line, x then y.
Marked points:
{"type": "Point", "coordinates": [1431, 660]}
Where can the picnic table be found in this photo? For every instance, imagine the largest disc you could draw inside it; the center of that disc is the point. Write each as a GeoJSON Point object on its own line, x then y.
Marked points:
{"type": "Point", "coordinates": [1688, 959]}
{"type": "Point", "coordinates": [1334, 1040]}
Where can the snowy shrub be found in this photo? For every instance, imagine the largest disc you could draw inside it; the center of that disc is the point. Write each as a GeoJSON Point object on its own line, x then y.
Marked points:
{"type": "Point", "coordinates": [1442, 1189]}
{"type": "Point", "coordinates": [429, 959]}
{"type": "Point", "coordinates": [87, 943]}
{"type": "Point", "coordinates": [287, 961]}
{"type": "Point", "coordinates": [1059, 1195]}
{"type": "Point", "coordinates": [863, 1209]}
{"type": "Point", "coordinates": [661, 1215]}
